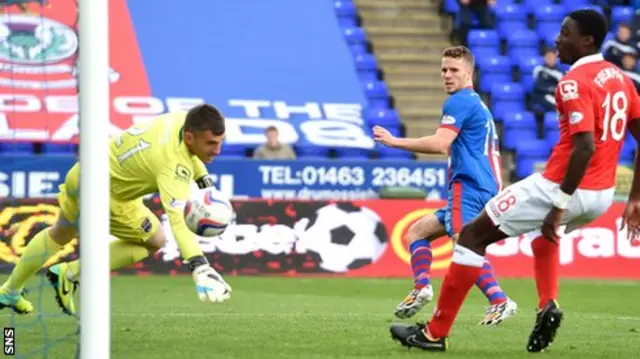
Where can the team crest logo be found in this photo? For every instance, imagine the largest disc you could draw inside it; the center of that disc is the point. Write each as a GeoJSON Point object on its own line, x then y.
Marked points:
{"type": "Point", "coordinates": [38, 53]}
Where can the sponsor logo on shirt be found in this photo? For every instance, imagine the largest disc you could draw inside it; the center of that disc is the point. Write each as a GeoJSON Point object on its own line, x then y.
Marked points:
{"type": "Point", "coordinates": [448, 120]}
{"type": "Point", "coordinates": [575, 118]}
{"type": "Point", "coordinates": [568, 90]}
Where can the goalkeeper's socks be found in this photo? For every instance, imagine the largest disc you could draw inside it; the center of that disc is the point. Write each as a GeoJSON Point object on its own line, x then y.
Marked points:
{"type": "Point", "coordinates": [421, 259]}
{"type": "Point", "coordinates": [546, 263]}
{"type": "Point", "coordinates": [463, 272]}
{"type": "Point", "coordinates": [489, 285]}
{"type": "Point", "coordinates": [38, 251]}
{"type": "Point", "coordinates": [124, 254]}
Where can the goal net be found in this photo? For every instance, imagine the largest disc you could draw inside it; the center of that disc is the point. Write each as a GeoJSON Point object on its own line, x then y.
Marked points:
{"type": "Point", "coordinates": [38, 125]}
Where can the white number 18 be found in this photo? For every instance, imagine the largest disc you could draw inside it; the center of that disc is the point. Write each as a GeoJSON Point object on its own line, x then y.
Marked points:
{"type": "Point", "coordinates": [615, 116]}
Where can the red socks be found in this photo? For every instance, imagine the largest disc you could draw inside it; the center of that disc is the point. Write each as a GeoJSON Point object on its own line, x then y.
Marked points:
{"type": "Point", "coordinates": [463, 272]}
{"type": "Point", "coordinates": [546, 264]}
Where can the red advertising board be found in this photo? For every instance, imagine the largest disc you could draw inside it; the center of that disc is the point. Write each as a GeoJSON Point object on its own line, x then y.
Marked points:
{"type": "Point", "coordinates": [357, 239]}
{"type": "Point", "coordinates": [38, 82]}
{"type": "Point", "coordinates": [599, 250]}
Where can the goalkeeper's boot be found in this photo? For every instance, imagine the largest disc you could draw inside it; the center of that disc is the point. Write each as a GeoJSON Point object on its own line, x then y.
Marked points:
{"type": "Point", "coordinates": [415, 336]}
{"type": "Point", "coordinates": [547, 323]}
{"type": "Point", "coordinates": [64, 287]}
{"type": "Point", "coordinates": [14, 301]}
{"type": "Point", "coordinates": [415, 300]}
{"type": "Point", "coordinates": [497, 313]}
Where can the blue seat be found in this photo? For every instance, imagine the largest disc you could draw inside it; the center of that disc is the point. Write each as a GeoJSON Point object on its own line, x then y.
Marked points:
{"type": "Point", "coordinates": [451, 7]}
{"type": "Point", "coordinates": [483, 38]}
{"type": "Point", "coordinates": [494, 64]}
{"type": "Point", "coordinates": [358, 49]}
{"type": "Point", "coordinates": [527, 64]}
{"type": "Point", "coordinates": [505, 98]}
{"type": "Point", "coordinates": [553, 13]}
{"type": "Point", "coordinates": [493, 69]}
{"type": "Point", "coordinates": [533, 5]}
{"type": "Point", "coordinates": [355, 35]}
{"type": "Point", "coordinates": [480, 52]}
{"type": "Point", "coordinates": [349, 152]}
{"type": "Point", "coordinates": [551, 128]}
{"type": "Point", "coordinates": [346, 12]}
{"type": "Point", "coordinates": [510, 18]}
{"type": "Point", "coordinates": [549, 38]}
{"type": "Point", "coordinates": [528, 154]}
{"type": "Point", "coordinates": [225, 156]}
{"type": "Point", "coordinates": [576, 2]}
{"type": "Point", "coordinates": [390, 152]}
{"type": "Point", "coordinates": [59, 148]}
{"type": "Point", "coordinates": [620, 15]}
{"type": "Point", "coordinates": [307, 151]}
{"type": "Point", "coordinates": [572, 6]}
{"type": "Point", "coordinates": [377, 94]}
{"type": "Point", "coordinates": [518, 53]}
{"type": "Point", "coordinates": [16, 147]}
{"type": "Point", "coordinates": [518, 126]}
{"type": "Point", "coordinates": [488, 79]}
{"type": "Point", "coordinates": [233, 150]}
{"type": "Point", "coordinates": [628, 151]}
{"type": "Point", "coordinates": [367, 67]}
{"type": "Point", "coordinates": [384, 117]}
{"type": "Point", "coordinates": [610, 36]}
{"type": "Point", "coordinates": [523, 38]}
{"type": "Point", "coordinates": [547, 30]}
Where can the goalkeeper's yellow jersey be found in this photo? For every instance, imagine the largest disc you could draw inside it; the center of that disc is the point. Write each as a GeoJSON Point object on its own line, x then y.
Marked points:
{"type": "Point", "coordinates": [152, 157]}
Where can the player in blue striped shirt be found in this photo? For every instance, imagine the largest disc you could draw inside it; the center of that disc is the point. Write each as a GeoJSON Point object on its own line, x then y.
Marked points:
{"type": "Point", "coordinates": [467, 134]}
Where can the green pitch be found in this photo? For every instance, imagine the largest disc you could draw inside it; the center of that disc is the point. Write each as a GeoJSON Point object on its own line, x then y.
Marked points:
{"type": "Point", "coordinates": [161, 318]}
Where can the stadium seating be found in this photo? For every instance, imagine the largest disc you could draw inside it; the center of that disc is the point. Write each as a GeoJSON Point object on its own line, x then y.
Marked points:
{"type": "Point", "coordinates": [551, 130]}
{"type": "Point", "coordinates": [518, 126]}
{"type": "Point", "coordinates": [506, 57]}
{"type": "Point", "coordinates": [528, 153]}
{"type": "Point", "coordinates": [377, 105]}
{"type": "Point", "coordinates": [504, 75]}
{"type": "Point", "coordinates": [506, 98]}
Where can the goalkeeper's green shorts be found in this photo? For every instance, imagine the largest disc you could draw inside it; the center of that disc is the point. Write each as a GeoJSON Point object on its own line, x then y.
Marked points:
{"type": "Point", "coordinates": [130, 220]}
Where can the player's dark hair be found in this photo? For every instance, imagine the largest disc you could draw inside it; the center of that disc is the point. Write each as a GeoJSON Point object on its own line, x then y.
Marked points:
{"type": "Point", "coordinates": [591, 23]}
{"type": "Point", "coordinates": [270, 129]}
{"type": "Point", "coordinates": [205, 118]}
{"type": "Point", "coordinates": [460, 52]}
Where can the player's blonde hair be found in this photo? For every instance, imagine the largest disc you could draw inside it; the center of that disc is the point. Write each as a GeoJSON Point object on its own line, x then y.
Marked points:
{"type": "Point", "coordinates": [460, 52]}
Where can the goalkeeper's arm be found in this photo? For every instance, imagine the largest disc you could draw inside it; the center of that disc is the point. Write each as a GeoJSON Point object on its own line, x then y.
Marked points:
{"type": "Point", "coordinates": [174, 194]}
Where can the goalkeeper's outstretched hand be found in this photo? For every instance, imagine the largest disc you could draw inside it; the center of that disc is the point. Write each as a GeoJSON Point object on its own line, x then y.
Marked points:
{"type": "Point", "coordinates": [210, 285]}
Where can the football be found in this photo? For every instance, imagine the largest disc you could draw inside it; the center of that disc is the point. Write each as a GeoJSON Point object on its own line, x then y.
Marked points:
{"type": "Point", "coordinates": [208, 212]}
{"type": "Point", "coordinates": [344, 237]}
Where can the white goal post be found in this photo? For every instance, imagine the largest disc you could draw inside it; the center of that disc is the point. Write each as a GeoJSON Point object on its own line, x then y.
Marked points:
{"type": "Point", "coordinates": [95, 311]}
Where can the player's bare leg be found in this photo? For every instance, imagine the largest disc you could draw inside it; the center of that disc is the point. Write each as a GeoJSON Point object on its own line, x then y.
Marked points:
{"type": "Point", "coordinates": [43, 245]}
{"type": "Point", "coordinates": [65, 276]}
{"type": "Point", "coordinates": [419, 237]}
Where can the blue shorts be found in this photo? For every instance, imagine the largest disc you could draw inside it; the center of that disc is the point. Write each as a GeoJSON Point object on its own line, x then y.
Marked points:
{"type": "Point", "coordinates": [465, 204]}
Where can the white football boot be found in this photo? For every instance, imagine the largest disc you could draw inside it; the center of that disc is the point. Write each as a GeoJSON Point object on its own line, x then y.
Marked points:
{"type": "Point", "coordinates": [415, 300]}
{"type": "Point", "coordinates": [497, 313]}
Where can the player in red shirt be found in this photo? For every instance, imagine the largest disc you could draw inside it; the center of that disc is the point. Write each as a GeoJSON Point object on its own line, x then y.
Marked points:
{"type": "Point", "coordinates": [595, 103]}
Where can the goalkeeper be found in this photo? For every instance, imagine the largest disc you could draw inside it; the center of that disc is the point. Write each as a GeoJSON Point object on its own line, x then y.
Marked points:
{"type": "Point", "coordinates": [163, 155]}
